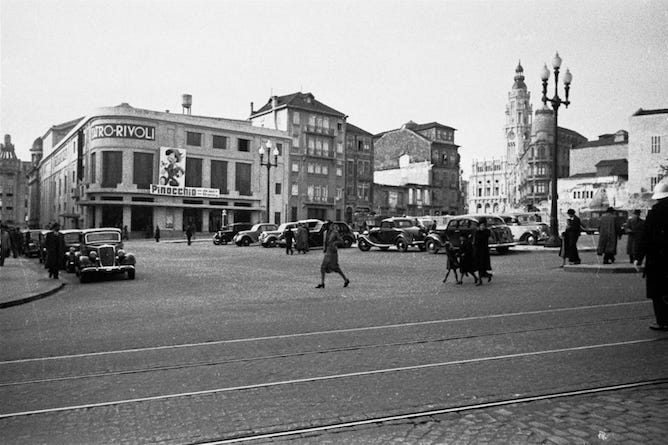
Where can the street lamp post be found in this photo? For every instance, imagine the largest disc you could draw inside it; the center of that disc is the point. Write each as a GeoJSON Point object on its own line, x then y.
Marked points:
{"type": "Point", "coordinates": [556, 101]}
{"type": "Point", "coordinates": [269, 165]}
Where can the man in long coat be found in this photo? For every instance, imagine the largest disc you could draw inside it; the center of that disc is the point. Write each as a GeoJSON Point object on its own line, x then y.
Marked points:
{"type": "Point", "coordinates": [654, 249]}
{"type": "Point", "coordinates": [608, 233]}
{"type": "Point", "coordinates": [5, 244]}
{"type": "Point", "coordinates": [55, 251]}
{"type": "Point", "coordinates": [633, 229]}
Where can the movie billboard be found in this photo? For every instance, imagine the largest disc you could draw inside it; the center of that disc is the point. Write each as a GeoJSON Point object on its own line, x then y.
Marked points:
{"type": "Point", "coordinates": [172, 170]}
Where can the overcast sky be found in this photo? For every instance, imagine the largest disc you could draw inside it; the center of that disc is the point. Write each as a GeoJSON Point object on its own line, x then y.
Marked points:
{"type": "Point", "coordinates": [382, 63]}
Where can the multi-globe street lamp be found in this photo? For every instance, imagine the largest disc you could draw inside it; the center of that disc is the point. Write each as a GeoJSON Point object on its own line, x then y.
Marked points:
{"type": "Point", "coordinates": [268, 164]}
{"type": "Point", "coordinates": [556, 101]}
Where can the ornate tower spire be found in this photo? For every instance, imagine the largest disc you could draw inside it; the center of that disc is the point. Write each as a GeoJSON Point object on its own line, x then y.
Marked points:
{"type": "Point", "coordinates": [7, 149]}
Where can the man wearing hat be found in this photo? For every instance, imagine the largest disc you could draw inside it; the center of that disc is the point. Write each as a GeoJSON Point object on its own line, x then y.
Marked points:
{"type": "Point", "coordinates": [608, 233]}
{"type": "Point", "coordinates": [654, 249]}
{"type": "Point", "coordinates": [55, 250]}
{"type": "Point", "coordinates": [633, 228]}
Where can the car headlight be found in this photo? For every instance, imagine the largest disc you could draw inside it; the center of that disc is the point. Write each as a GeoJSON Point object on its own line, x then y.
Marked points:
{"type": "Point", "coordinates": [72, 250]}
{"type": "Point", "coordinates": [93, 255]}
{"type": "Point", "coordinates": [120, 253]}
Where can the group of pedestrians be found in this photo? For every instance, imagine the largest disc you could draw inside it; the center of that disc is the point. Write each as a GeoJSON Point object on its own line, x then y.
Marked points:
{"type": "Point", "coordinates": [472, 257]}
{"type": "Point", "coordinates": [299, 239]}
{"type": "Point", "coordinates": [11, 242]}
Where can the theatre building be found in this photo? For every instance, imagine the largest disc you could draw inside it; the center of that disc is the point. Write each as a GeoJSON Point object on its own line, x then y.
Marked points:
{"type": "Point", "coordinates": [124, 166]}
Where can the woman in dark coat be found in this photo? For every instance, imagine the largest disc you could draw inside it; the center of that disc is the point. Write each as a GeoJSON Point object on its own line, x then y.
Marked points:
{"type": "Point", "coordinates": [330, 262]}
{"type": "Point", "coordinates": [467, 264]}
{"type": "Point", "coordinates": [301, 240]}
{"type": "Point", "coordinates": [571, 234]}
{"type": "Point", "coordinates": [55, 251]}
{"type": "Point", "coordinates": [481, 251]}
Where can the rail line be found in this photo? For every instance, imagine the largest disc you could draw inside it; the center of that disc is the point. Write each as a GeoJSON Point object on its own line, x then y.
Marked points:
{"type": "Point", "coordinates": [417, 414]}
{"type": "Point", "coordinates": [327, 332]}
{"type": "Point", "coordinates": [327, 378]}
{"type": "Point", "coordinates": [305, 353]}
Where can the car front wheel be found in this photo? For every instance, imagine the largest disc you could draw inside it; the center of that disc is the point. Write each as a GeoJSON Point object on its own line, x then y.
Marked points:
{"type": "Point", "coordinates": [531, 240]}
{"type": "Point", "coordinates": [245, 242]}
{"type": "Point", "coordinates": [363, 245]}
{"type": "Point", "coordinates": [432, 246]}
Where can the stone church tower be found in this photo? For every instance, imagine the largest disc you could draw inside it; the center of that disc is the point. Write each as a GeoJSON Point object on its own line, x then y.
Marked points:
{"type": "Point", "coordinates": [517, 132]}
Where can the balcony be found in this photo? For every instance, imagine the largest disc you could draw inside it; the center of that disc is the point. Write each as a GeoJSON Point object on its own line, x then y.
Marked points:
{"type": "Point", "coordinates": [318, 199]}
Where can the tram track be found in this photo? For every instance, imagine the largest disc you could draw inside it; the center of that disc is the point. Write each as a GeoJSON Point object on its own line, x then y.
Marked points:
{"type": "Point", "coordinates": [331, 377]}
{"type": "Point", "coordinates": [351, 348]}
{"type": "Point", "coordinates": [287, 433]}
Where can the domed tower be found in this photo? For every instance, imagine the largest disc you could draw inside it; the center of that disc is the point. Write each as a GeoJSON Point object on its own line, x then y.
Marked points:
{"type": "Point", "coordinates": [36, 151]}
{"type": "Point", "coordinates": [517, 131]}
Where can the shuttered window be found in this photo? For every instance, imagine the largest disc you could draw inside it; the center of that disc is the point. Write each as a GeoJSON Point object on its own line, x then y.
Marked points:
{"type": "Point", "coordinates": [219, 176]}
{"type": "Point", "coordinates": [243, 178]}
{"type": "Point", "coordinates": [112, 168]}
{"type": "Point", "coordinates": [193, 172]}
{"type": "Point", "coordinates": [142, 173]}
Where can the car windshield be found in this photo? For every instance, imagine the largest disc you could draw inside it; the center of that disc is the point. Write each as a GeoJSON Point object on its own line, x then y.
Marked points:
{"type": "Point", "coordinates": [283, 227]}
{"type": "Point", "coordinates": [102, 237]}
{"type": "Point", "coordinates": [71, 238]}
{"type": "Point", "coordinates": [493, 221]}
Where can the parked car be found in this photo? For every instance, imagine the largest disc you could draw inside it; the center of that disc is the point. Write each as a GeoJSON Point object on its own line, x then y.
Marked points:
{"type": "Point", "coordinates": [591, 218]}
{"type": "Point", "coordinates": [310, 225]}
{"type": "Point", "coordinates": [101, 253]}
{"type": "Point", "coordinates": [526, 231]}
{"type": "Point", "coordinates": [227, 233]}
{"type": "Point", "coordinates": [500, 238]}
{"type": "Point", "coordinates": [436, 238]}
{"type": "Point", "coordinates": [72, 246]}
{"type": "Point", "coordinates": [316, 234]}
{"type": "Point", "coordinates": [248, 237]}
{"type": "Point", "coordinates": [31, 242]}
{"type": "Point", "coordinates": [401, 232]}
{"type": "Point", "coordinates": [269, 238]}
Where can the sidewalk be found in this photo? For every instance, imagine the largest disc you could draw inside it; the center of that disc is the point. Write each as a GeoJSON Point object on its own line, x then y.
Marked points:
{"type": "Point", "coordinates": [23, 280]}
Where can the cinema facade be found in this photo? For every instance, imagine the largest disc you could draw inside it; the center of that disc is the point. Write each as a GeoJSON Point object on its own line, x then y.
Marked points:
{"type": "Point", "coordinates": [124, 166]}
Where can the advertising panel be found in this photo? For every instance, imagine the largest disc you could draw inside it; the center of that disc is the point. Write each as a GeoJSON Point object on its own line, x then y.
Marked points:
{"type": "Point", "coordinates": [172, 170]}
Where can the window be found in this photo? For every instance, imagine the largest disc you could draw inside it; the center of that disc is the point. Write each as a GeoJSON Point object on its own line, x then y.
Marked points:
{"type": "Point", "coordinates": [656, 144]}
{"type": "Point", "coordinates": [243, 145]}
{"type": "Point", "coordinates": [112, 168]}
{"type": "Point", "coordinates": [339, 170]}
{"type": "Point", "coordinates": [92, 168]}
{"type": "Point", "coordinates": [279, 147]}
{"type": "Point", "coordinates": [143, 170]}
{"type": "Point", "coordinates": [540, 170]}
{"type": "Point", "coordinates": [243, 178]}
{"type": "Point", "coordinates": [295, 118]}
{"type": "Point", "coordinates": [309, 167]}
{"type": "Point", "coordinates": [540, 187]}
{"type": "Point", "coordinates": [277, 188]}
{"type": "Point", "coordinates": [194, 139]}
{"type": "Point", "coordinates": [654, 181]}
{"type": "Point", "coordinates": [220, 142]}
{"type": "Point", "coordinates": [295, 167]}
{"type": "Point", "coordinates": [325, 170]}
{"type": "Point", "coordinates": [219, 176]}
{"type": "Point", "coordinates": [295, 190]}
{"type": "Point", "coordinates": [194, 172]}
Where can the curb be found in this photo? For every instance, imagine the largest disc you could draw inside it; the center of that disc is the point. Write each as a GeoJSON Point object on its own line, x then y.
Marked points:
{"type": "Point", "coordinates": [596, 268]}
{"type": "Point", "coordinates": [25, 300]}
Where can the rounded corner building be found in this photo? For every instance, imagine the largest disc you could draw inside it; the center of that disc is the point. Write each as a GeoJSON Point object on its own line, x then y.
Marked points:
{"type": "Point", "coordinates": [123, 166]}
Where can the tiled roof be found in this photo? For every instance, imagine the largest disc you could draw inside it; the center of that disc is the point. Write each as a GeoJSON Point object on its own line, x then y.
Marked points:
{"type": "Point", "coordinates": [415, 127]}
{"type": "Point", "coordinates": [354, 129]}
{"type": "Point", "coordinates": [303, 101]}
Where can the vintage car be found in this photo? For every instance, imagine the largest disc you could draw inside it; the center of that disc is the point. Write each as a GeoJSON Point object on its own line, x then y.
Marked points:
{"type": "Point", "coordinates": [248, 237]}
{"type": "Point", "coordinates": [227, 233]}
{"type": "Point", "coordinates": [527, 228]}
{"type": "Point", "coordinates": [72, 243]}
{"type": "Point", "coordinates": [436, 238]}
{"type": "Point", "coordinates": [401, 232]}
{"type": "Point", "coordinates": [269, 238]}
{"type": "Point", "coordinates": [31, 242]}
{"type": "Point", "coordinates": [101, 253]}
{"type": "Point", "coordinates": [500, 238]}
{"type": "Point", "coordinates": [316, 234]}
{"type": "Point", "coordinates": [310, 225]}
{"type": "Point", "coordinates": [591, 218]}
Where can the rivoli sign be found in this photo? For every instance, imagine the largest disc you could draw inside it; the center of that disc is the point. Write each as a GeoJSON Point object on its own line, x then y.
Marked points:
{"type": "Point", "coordinates": [123, 131]}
